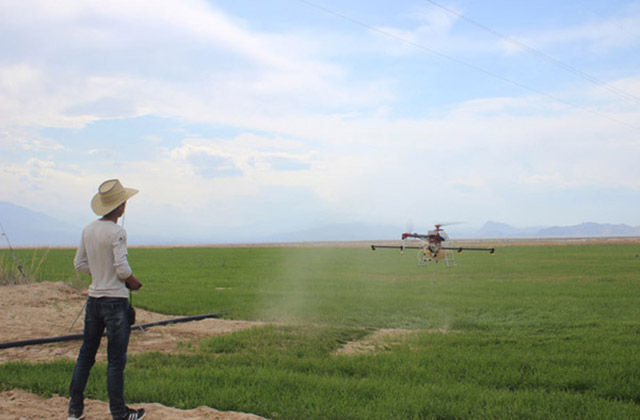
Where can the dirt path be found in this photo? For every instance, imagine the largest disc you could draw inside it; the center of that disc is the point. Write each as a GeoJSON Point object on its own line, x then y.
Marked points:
{"type": "Point", "coordinates": [22, 405]}
{"type": "Point", "coordinates": [48, 309]}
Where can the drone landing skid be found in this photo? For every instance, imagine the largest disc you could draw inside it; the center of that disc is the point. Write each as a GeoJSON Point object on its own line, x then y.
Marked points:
{"type": "Point", "coordinates": [425, 255]}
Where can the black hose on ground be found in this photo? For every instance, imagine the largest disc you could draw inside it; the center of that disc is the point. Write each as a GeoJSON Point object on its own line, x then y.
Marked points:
{"type": "Point", "coordinates": [46, 340]}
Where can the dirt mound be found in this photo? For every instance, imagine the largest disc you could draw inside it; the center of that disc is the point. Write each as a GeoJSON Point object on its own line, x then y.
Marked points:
{"type": "Point", "coordinates": [48, 309]}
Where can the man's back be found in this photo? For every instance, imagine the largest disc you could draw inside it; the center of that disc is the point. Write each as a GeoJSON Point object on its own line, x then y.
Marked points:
{"type": "Point", "coordinates": [103, 254]}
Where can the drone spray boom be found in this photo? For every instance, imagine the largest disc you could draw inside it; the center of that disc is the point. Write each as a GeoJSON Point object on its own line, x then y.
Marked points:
{"type": "Point", "coordinates": [432, 246]}
{"type": "Point", "coordinates": [15, 257]}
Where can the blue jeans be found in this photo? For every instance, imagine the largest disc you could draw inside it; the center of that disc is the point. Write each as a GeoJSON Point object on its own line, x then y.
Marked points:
{"type": "Point", "coordinates": [101, 313]}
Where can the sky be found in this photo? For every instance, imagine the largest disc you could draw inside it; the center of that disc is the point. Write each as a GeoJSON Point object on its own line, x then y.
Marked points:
{"type": "Point", "coordinates": [240, 119]}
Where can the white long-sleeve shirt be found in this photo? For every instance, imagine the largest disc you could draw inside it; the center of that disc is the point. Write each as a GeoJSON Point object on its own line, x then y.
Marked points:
{"type": "Point", "coordinates": [103, 255]}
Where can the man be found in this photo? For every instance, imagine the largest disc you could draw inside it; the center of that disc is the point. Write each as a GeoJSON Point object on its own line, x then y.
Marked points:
{"type": "Point", "coordinates": [103, 255]}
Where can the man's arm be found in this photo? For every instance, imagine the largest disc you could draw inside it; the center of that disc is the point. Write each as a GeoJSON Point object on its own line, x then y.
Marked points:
{"type": "Point", "coordinates": [132, 282]}
{"type": "Point", "coordinates": [121, 262]}
{"type": "Point", "coordinates": [81, 262]}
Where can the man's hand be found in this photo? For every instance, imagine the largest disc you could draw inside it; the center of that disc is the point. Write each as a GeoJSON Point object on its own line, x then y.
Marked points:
{"type": "Point", "coordinates": [132, 283]}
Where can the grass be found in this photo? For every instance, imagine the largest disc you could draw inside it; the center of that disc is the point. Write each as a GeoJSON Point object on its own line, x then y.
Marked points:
{"type": "Point", "coordinates": [530, 333]}
{"type": "Point", "coordinates": [13, 271]}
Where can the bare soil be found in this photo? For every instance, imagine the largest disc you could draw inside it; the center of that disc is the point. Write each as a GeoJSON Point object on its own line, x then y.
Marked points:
{"type": "Point", "coordinates": [48, 309]}
{"type": "Point", "coordinates": [379, 340]}
{"type": "Point", "coordinates": [22, 405]}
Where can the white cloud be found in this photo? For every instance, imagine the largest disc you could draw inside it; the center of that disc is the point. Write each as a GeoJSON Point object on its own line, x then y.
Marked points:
{"type": "Point", "coordinates": [44, 185]}
{"type": "Point", "coordinates": [434, 32]}
{"type": "Point", "coordinates": [433, 26]}
{"type": "Point", "coordinates": [33, 98]}
{"type": "Point", "coordinates": [600, 36]}
{"type": "Point", "coordinates": [249, 162]}
{"type": "Point", "coordinates": [72, 91]}
{"type": "Point", "coordinates": [446, 33]}
{"type": "Point", "coordinates": [12, 138]}
{"type": "Point", "coordinates": [389, 170]}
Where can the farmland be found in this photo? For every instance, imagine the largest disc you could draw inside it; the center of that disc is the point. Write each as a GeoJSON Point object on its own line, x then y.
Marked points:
{"type": "Point", "coordinates": [533, 332]}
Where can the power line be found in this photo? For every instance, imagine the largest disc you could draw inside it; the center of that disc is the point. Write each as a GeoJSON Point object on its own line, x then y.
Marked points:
{"type": "Point", "coordinates": [464, 63]}
{"type": "Point", "coordinates": [542, 55]}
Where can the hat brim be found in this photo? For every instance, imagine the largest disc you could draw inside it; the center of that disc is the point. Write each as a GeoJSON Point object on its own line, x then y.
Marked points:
{"type": "Point", "coordinates": [101, 209]}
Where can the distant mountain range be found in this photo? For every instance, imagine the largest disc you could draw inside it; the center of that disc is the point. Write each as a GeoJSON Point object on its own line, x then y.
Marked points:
{"type": "Point", "coordinates": [582, 230]}
{"type": "Point", "coordinates": [490, 230]}
{"type": "Point", "coordinates": [24, 227]}
{"type": "Point", "coordinates": [28, 228]}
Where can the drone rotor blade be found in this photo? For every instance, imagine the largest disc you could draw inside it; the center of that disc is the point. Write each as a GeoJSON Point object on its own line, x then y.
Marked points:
{"type": "Point", "coordinates": [449, 224]}
{"type": "Point", "coordinates": [409, 226]}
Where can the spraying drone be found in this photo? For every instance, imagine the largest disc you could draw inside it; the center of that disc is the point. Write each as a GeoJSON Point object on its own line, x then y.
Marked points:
{"type": "Point", "coordinates": [434, 246]}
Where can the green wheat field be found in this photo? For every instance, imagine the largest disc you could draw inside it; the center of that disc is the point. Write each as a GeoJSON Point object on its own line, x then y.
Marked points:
{"type": "Point", "coordinates": [533, 332]}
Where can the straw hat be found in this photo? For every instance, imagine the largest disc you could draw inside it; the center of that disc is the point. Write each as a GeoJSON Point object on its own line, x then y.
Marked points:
{"type": "Point", "coordinates": [110, 195]}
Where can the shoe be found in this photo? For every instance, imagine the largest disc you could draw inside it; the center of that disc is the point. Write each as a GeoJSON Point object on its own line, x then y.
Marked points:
{"type": "Point", "coordinates": [132, 414]}
{"type": "Point", "coordinates": [75, 416]}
